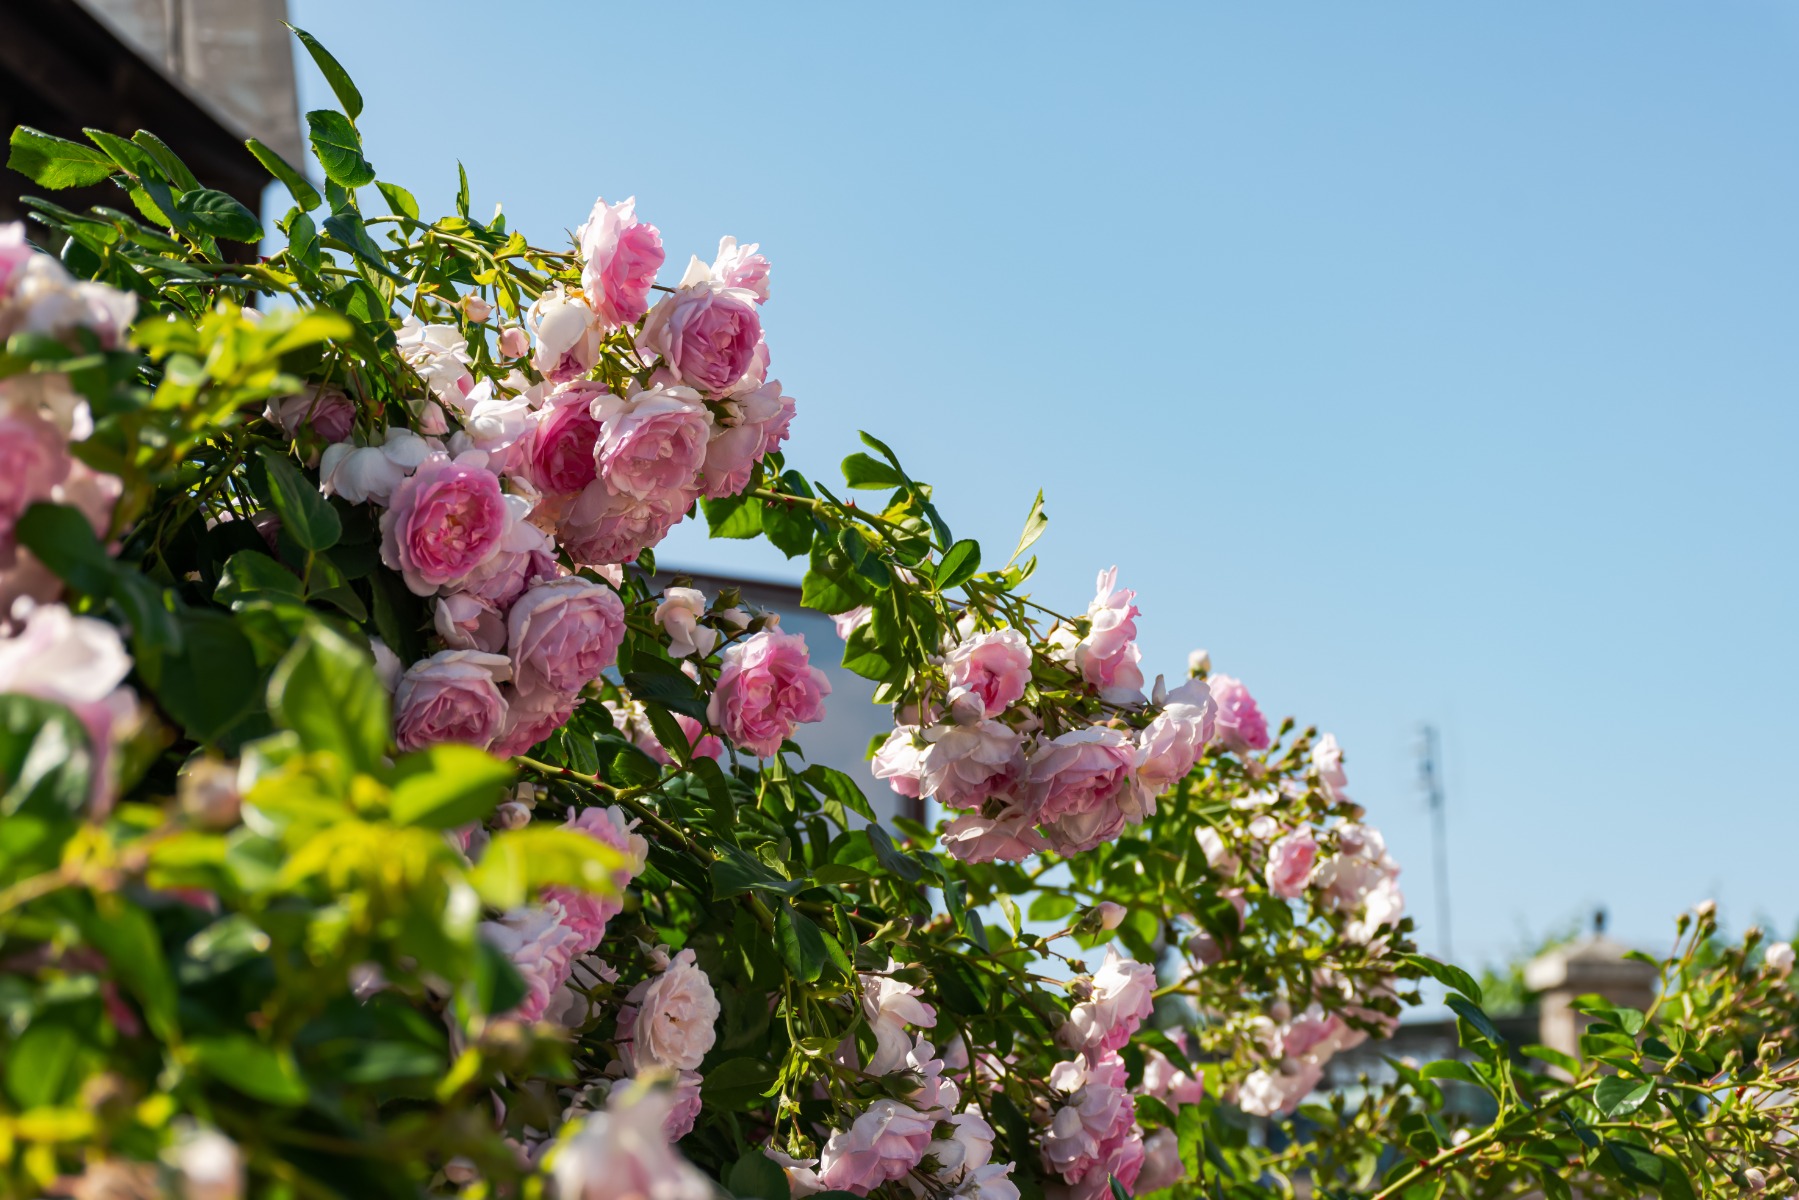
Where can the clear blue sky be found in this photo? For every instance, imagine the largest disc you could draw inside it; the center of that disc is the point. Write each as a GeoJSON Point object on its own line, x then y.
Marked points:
{"type": "Point", "coordinates": [1421, 361]}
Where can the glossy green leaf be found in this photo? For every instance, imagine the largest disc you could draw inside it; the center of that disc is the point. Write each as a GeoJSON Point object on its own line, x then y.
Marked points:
{"type": "Point", "coordinates": [214, 212]}
{"type": "Point", "coordinates": [447, 785]}
{"type": "Point", "coordinates": [961, 562]}
{"type": "Point", "coordinates": [325, 689]}
{"type": "Point", "coordinates": [261, 1071]}
{"type": "Point", "coordinates": [306, 516]}
{"type": "Point", "coordinates": [45, 758]}
{"type": "Point", "coordinates": [1620, 1095]}
{"type": "Point", "coordinates": [1450, 976]}
{"type": "Point", "coordinates": [297, 185]}
{"type": "Point", "coordinates": [801, 943]}
{"type": "Point", "coordinates": [339, 149]}
{"type": "Point", "coordinates": [756, 1176]}
{"type": "Point", "coordinates": [1034, 525]}
{"type": "Point", "coordinates": [341, 84]}
{"type": "Point", "coordinates": [54, 162]}
{"type": "Point", "coordinates": [862, 471]}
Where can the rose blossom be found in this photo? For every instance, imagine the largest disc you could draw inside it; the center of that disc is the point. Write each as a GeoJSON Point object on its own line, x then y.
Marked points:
{"type": "Point", "coordinates": [995, 666]}
{"type": "Point", "coordinates": [757, 426]}
{"type": "Point", "coordinates": [706, 334]}
{"type": "Point", "coordinates": [965, 764]}
{"type": "Point", "coordinates": [685, 1109]}
{"type": "Point", "coordinates": [1327, 760]}
{"type": "Point", "coordinates": [439, 353]}
{"type": "Point", "coordinates": [1121, 997]}
{"type": "Point", "coordinates": [1107, 656]}
{"type": "Point", "coordinates": [900, 761]}
{"type": "Point", "coordinates": [568, 335]}
{"type": "Point", "coordinates": [741, 267]}
{"type": "Point", "coordinates": [1094, 1133]}
{"type": "Point", "coordinates": [514, 342]}
{"type": "Point", "coordinates": [445, 520]}
{"type": "Point", "coordinates": [890, 1005]}
{"type": "Point", "coordinates": [1162, 1165]}
{"type": "Point", "coordinates": [847, 623]}
{"type": "Point", "coordinates": [504, 577]}
{"type": "Point", "coordinates": [1265, 1093]}
{"type": "Point", "coordinates": [671, 1016]}
{"type": "Point", "coordinates": [623, 1153]}
{"type": "Point", "coordinates": [530, 719]}
{"type": "Point", "coordinates": [1170, 745]}
{"type": "Point", "coordinates": [466, 622]}
{"type": "Point", "coordinates": [453, 696]}
{"type": "Point", "coordinates": [559, 451]}
{"type": "Point", "coordinates": [766, 688]}
{"type": "Point", "coordinates": [883, 1144]}
{"type": "Point", "coordinates": [1240, 726]}
{"type": "Point", "coordinates": [1778, 958]}
{"type": "Point", "coordinates": [540, 946]}
{"type": "Point", "coordinates": [1008, 837]}
{"type": "Point", "coordinates": [969, 1147]}
{"type": "Point", "coordinates": [33, 461]}
{"type": "Point", "coordinates": [621, 257]}
{"type": "Point", "coordinates": [325, 410]}
{"type": "Point", "coordinates": [802, 1180]}
{"type": "Point", "coordinates": [79, 663]}
{"type": "Point", "coordinates": [679, 615]}
{"type": "Point", "coordinates": [588, 912]}
{"type": "Point", "coordinates": [1167, 1082]}
{"type": "Point", "coordinates": [602, 528]}
{"type": "Point", "coordinates": [1076, 783]}
{"type": "Point", "coordinates": [563, 633]}
{"type": "Point", "coordinates": [1290, 863]}
{"type": "Point", "coordinates": [652, 444]}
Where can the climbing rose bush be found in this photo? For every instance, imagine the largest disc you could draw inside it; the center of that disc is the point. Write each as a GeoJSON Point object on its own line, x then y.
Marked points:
{"type": "Point", "coordinates": [378, 820]}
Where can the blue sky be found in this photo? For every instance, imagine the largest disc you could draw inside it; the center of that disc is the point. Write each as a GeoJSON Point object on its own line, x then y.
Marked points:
{"type": "Point", "coordinates": [1423, 362]}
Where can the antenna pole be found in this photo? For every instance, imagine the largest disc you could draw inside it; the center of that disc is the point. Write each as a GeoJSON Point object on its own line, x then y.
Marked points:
{"type": "Point", "coordinates": [1430, 775]}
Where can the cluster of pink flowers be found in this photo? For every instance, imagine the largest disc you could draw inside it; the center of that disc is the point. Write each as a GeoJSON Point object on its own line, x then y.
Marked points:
{"type": "Point", "coordinates": [1015, 789]}
{"type": "Point", "coordinates": [1297, 1047]}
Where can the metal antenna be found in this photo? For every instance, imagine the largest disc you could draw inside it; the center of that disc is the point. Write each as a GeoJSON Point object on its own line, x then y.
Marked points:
{"type": "Point", "coordinates": [1430, 777]}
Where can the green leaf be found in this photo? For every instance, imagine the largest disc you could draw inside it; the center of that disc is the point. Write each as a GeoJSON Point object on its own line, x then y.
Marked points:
{"type": "Point", "coordinates": [216, 213]}
{"type": "Point", "coordinates": [347, 227]}
{"type": "Point", "coordinates": [1450, 976]}
{"type": "Point", "coordinates": [1553, 1057]}
{"type": "Point", "coordinates": [669, 733]}
{"type": "Point", "coordinates": [1635, 1162]}
{"type": "Point", "coordinates": [671, 689]}
{"type": "Point", "coordinates": [1471, 1013]}
{"type": "Point", "coordinates": [261, 1071]}
{"type": "Point", "coordinates": [1118, 1189]}
{"type": "Point", "coordinates": [253, 575]}
{"type": "Point", "coordinates": [1619, 1095]}
{"type": "Point", "coordinates": [735, 872]}
{"type": "Point", "coordinates": [1450, 1068]}
{"type": "Point", "coordinates": [53, 162]}
{"type": "Point", "coordinates": [401, 199]}
{"type": "Point", "coordinates": [758, 1176]}
{"type": "Point", "coordinates": [839, 787]}
{"type": "Point", "coordinates": [339, 149]}
{"type": "Point", "coordinates": [960, 564]}
{"type": "Point", "coordinates": [40, 1067]}
{"type": "Point", "coordinates": [447, 785]}
{"type": "Point", "coordinates": [732, 517]}
{"type": "Point", "coordinates": [1675, 1184]}
{"type": "Point", "coordinates": [737, 1083]}
{"type": "Point", "coordinates": [461, 190]}
{"type": "Point", "coordinates": [304, 194]}
{"type": "Point", "coordinates": [1034, 525]}
{"type": "Point", "coordinates": [210, 683]}
{"type": "Point", "coordinates": [339, 79]}
{"type": "Point", "coordinates": [167, 161]}
{"type": "Point", "coordinates": [862, 471]}
{"type": "Point", "coordinates": [891, 857]}
{"type": "Point", "coordinates": [128, 939]}
{"type": "Point", "coordinates": [518, 863]}
{"type": "Point", "coordinates": [325, 689]}
{"type": "Point", "coordinates": [45, 757]}
{"type": "Point", "coordinates": [801, 942]}
{"type": "Point", "coordinates": [306, 516]}
{"type": "Point", "coordinates": [1189, 1128]}
{"type": "Point", "coordinates": [832, 584]}
{"type": "Point", "coordinates": [790, 527]}
{"type": "Point", "coordinates": [303, 240]}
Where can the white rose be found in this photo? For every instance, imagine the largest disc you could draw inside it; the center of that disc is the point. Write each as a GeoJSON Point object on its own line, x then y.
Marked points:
{"type": "Point", "coordinates": [358, 473]}
{"type": "Point", "coordinates": [676, 1012]}
{"type": "Point", "coordinates": [679, 615]}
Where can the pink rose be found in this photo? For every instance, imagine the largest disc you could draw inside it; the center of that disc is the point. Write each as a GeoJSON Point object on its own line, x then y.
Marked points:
{"type": "Point", "coordinates": [1009, 837]}
{"type": "Point", "coordinates": [758, 427]}
{"type": "Point", "coordinates": [1076, 785]}
{"type": "Point", "coordinates": [624, 1152]}
{"type": "Point", "coordinates": [672, 1017]}
{"type": "Point", "coordinates": [33, 461]}
{"type": "Point", "coordinates": [1265, 1093]}
{"type": "Point", "coordinates": [514, 342]}
{"type": "Point", "coordinates": [325, 410]}
{"type": "Point", "coordinates": [15, 252]}
{"type": "Point", "coordinates": [766, 687]}
{"type": "Point", "coordinates": [1290, 863]}
{"type": "Point", "coordinates": [559, 451]}
{"type": "Point", "coordinates": [700, 744]}
{"type": "Point", "coordinates": [679, 614]}
{"type": "Point", "coordinates": [530, 719]}
{"type": "Point", "coordinates": [1167, 1082]}
{"type": "Point", "coordinates": [1162, 1165]}
{"type": "Point", "coordinates": [439, 353]}
{"type": "Point", "coordinates": [1240, 726]}
{"type": "Point", "coordinates": [741, 267]}
{"type": "Point", "coordinates": [885, 1143]}
{"type": "Point", "coordinates": [568, 333]}
{"type": "Point", "coordinates": [652, 444]}
{"type": "Point", "coordinates": [706, 335]}
{"type": "Point", "coordinates": [965, 764]}
{"type": "Point", "coordinates": [622, 257]}
{"type": "Point", "coordinates": [453, 696]}
{"type": "Point", "coordinates": [541, 946]}
{"type": "Point", "coordinates": [602, 528]}
{"type": "Point", "coordinates": [1107, 656]}
{"type": "Point", "coordinates": [1327, 760]}
{"type": "Point", "coordinates": [1094, 1133]}
{"type": "Point", "coordinates": [446, 519]}
{"type": "Point", "coordinates": [504, 577]}
{"type": "Point", "coordinates": [995, 666]}
{"type": "Point", "coordinates": [900, 761]}
{"type": "Point", "coordinates": [587, 912]}
{"type": "Point", "coordinates": [1170, 745]}
{"type": "Point", "coordinates": [466, 622]}
{"type": "Point", "coordinates": [563, 633]}
{"type": "Point", "coordinates": [891, 1006]}
{"type": "Point", "coordinates": [1122, 995]}
{"type": "Point", "coordinates": [81, 664]}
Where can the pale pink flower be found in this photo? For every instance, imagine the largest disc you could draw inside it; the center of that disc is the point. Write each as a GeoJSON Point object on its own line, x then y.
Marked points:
{"type": "Point", "coordinates": [1327, 760]}
{"type": "Point", "coordinates": [848, 622]}
{"type": "Point", "coordinates": [741, 267]}
{"type": "Point", "coordinates": [81, 664]}
{"type": "Point", "coordinates": [966, 764]}
{"type": "Point", "coordinates": [1269, 1093]}
{"type": "Point", "coordinates": [1122, 995]}
{"type": "Point", "coordinates": [756, 428]}
{"type": "Point", "coordinates": [1169, 1083]}
{"type": "Point", "coordinates": [1778, 958]}
{"type": "Point", "coordinates": [325, 410]}
{"type": "Point", "coordinates": [15, 252]}
{"type": "Point", "coordinates": [968, 1148]}
{"type": "Point", "coordinates": [1107, 656]}
{"type": "Point", "coordinates": [891, 1005]}
{"type": "Point", "coordinates": [540, 946]}
{"type": "Point", "coordinates": [900, 761]}
{"type": "Point", "coordinates": [1162, 1165]}
{"type": "Point", "coordinates": [453, 696]}
{"type": "Point", "coordinates": [1290, 862]}
{"type": "Point", "coordinates": [514, 342]}
{"type": "Point", "coordinates": [209, 1164]}
{"type": "Point", "coordinates": [766, 688]}
{"type": "Point", "coordinates": [563, 633]}
{"type": "Point", "coordinates": [530, 719]}
{"type": "Point", "coordinates": [685, 1109]}
{"type": "Point", "coordinates": [33, 461]}
{"type": "Point", "coordinates": [446, 519]}
{"type": "Point", "coordinates": [679, 613]}
{"type": "Point", "coordinates": [439, 354]}
{"type": "Point", "coordinates": [700, 744]}
{"type": "Point", "coordinates": [802, 1179]}
{"type": "Point", "coordinates": [1170, 745]}
{"type": "Point", "coordinates": [504, 577]}
{"type": "Point", "coordinates": [653, 443]}
{"type": "Point", "coordinates": [995, 666]}
{"type": "Point", "coordinates": [623, 1153]}
{"type": "Point", "coordinates": [602, 528]}
{"type": "Point", "coordinates": [1077, 784]}
{"type": "Point", "coordinates": [672, 1017]}
{"type": "Point", "coordinates": [621, 256]}
{"type": "Point", "coordinates": [467, 622]}
{"type": "Point", "coordinates": [705, 334]}
{"type": "Point", "coordinates": [883, 1144]}
{"type": "Point", "coordinates": [588, 912]}
{"type": "Point", "coordinates": [568, 333]}
{"type": "Point", "coordinates": [1094, 1132]}
{"type": "Point", "coordinates": [1239, 726]}
{"type": "Point", "coordinates": [475, 308]}
{"type": "Point", "coordinates": [1008, 837]}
